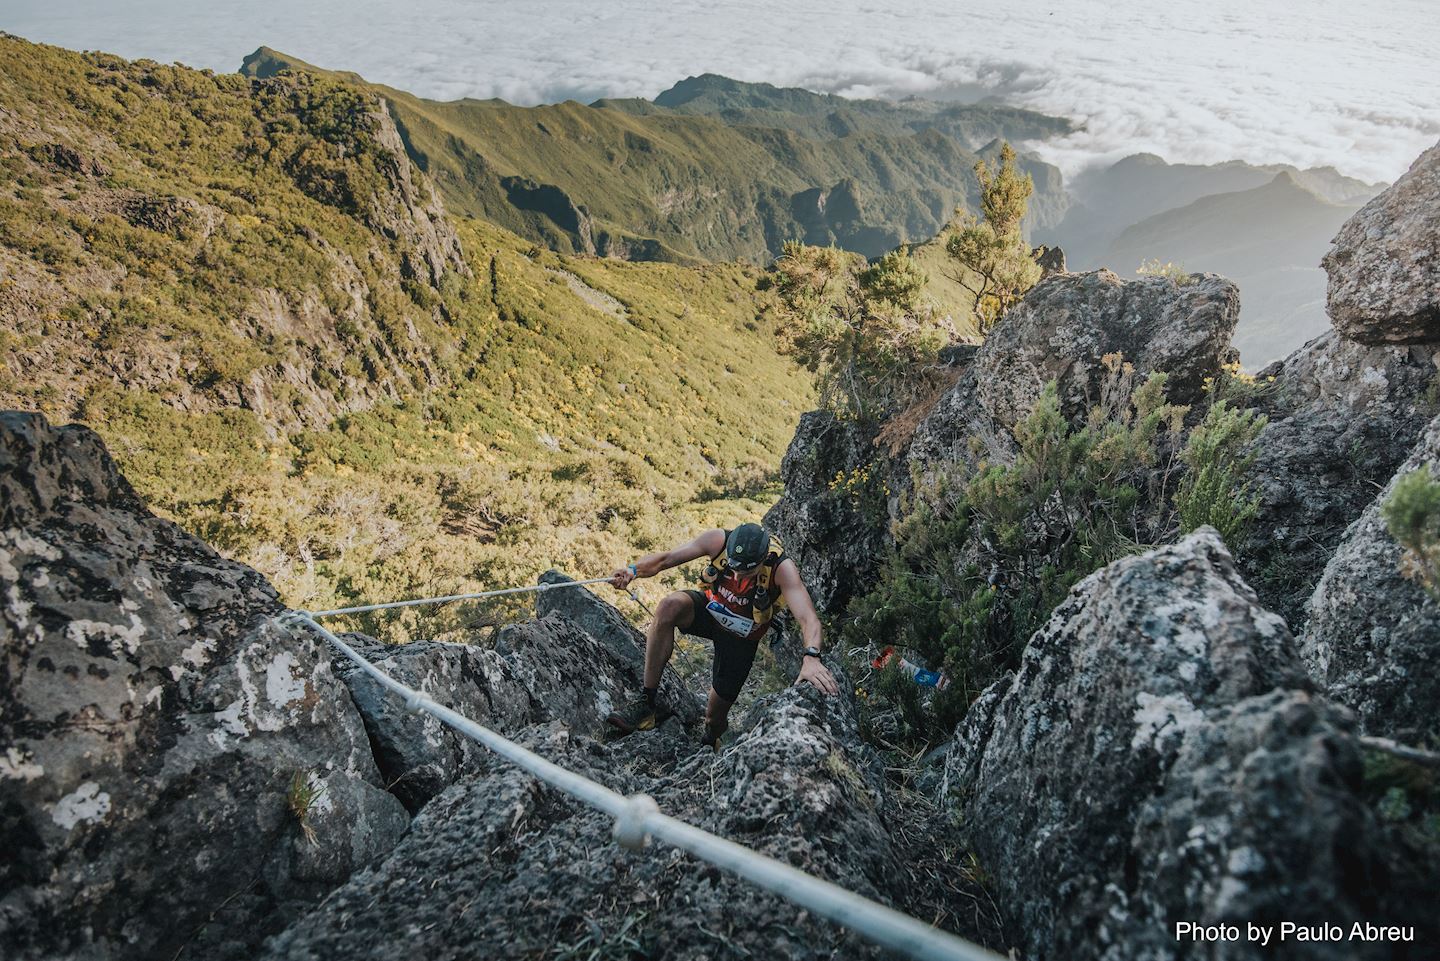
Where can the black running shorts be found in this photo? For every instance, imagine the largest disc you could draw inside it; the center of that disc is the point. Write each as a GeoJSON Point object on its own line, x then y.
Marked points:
{"type": "Point", "coordinates": [733, 655]}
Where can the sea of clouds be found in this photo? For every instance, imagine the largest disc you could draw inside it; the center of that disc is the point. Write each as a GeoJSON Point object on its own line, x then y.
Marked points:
{"type": "Point", "coordinates": [1352, 85]}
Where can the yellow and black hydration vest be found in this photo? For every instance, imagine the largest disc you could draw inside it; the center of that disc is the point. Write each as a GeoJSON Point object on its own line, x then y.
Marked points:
{"type": "Point", "coordinates": [765, 596]}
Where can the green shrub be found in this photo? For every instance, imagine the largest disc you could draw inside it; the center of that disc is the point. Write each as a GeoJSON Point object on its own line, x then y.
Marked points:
{"type": "Point", "coordinates": [1412, 513]}
{"type": "Point", "coordinates": [1170, 271]}
{"type": "Point", "coordinates": [995, 266]}
{"type": "Point", "coordinates": [1218, 454]}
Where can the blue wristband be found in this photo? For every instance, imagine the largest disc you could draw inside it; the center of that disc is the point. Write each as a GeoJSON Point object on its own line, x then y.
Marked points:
{"type": "Point", "coordinates": [633, 571]}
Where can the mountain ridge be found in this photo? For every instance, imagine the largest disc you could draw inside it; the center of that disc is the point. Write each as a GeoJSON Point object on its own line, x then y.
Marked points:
{"type": "Point", "coordinates": [670, 185]}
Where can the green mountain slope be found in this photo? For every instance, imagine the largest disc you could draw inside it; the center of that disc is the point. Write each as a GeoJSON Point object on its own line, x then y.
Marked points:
{"type": "Point", "coordinates": [826, 116]}
{"type": "Point", "coordinates": [247, 289]}
{"type": "Point", "coordinates": [667, 185]}
{"type": "Point", "coordinates": [1268, 239]}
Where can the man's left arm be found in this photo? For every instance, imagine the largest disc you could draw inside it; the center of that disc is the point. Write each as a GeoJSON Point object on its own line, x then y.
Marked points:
{"type": "Point", "coordinates": [797, 598]}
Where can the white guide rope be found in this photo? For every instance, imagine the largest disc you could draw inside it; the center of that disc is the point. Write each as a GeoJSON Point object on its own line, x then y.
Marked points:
{"type": "Point", "coordinates": [457, 597]}
{"type": "Point", "coordinates": [638, 817]}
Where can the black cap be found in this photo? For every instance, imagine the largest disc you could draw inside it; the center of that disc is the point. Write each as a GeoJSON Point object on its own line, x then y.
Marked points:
{"type": "Point", "coordinates": [746, 547]}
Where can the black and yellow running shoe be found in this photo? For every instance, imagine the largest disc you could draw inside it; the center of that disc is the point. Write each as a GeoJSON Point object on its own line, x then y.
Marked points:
{"type": "Point", "coordinates": [638, 715]}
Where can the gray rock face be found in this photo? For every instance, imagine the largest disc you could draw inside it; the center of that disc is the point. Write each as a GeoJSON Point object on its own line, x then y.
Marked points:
{"type": "Point", "coordinates": [581, 607]}
{"type": "Point", "coordinates": [543, 670]}
{"type": "Point", "coordinates": [1062, 331]}
{"type": "Point", "coordinates": [510, 868]}
{"type": "Point", "coordinates": [151, 728]}
{"type": "Point", "coordinates": [411, 211]}
{"type": "Point", "coordinates": [573, 677]}
{"type": "Point", "coordinates": [1159, 756]}
{"type": "Point", "coordinates": [1050, 259]}
{"type": "Point", "coordinates": [836, 537]}
{"type": "Point", "coordinates": [1385, 266]}
{"type": "Point", "coordinates": [1372, 636]}
{"type": "Point", "coordinates": [1342, 417]}
{"type": "Point", "coordinates": [418, 756]}
{"type": "Point", "coordinates": [1068, 322]}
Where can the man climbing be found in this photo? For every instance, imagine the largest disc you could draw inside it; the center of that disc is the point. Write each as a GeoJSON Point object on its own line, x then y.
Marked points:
{"type": "Point", "coordinates": [748, 579]}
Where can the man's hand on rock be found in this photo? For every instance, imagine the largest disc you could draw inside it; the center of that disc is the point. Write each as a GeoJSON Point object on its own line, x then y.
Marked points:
{"type": "Point", "coordinates": [817, 675]}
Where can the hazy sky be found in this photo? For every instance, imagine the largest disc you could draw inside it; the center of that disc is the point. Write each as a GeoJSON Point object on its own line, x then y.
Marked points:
{"type": "Point", "coordinates": [1343, 82]}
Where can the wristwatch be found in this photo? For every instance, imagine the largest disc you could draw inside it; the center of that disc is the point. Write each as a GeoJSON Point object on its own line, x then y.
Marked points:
{"type": "Point", "coordinates": [812, 652]}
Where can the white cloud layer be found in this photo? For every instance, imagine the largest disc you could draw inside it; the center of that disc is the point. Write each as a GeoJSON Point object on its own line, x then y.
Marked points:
{"type": "Point", "coordinates": [1353, 85]}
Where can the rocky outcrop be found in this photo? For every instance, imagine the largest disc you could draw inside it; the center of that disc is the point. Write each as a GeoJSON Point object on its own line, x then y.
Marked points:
{"type": "Point", "coordinates": [1159, 756]}
{"type": "Point", "coordinates": [1068, 323]}
{"type": "Point", "coordinates": [600, 620]}
{"type": "Point", "coordinates": [1342, 417]}
{"type": "Point", "coordinates": [1385, 266]}
{"type": "Point", "coordinates": [1346, 408]}
{"type": "Point", "coordinates": [419, 757]}
{"type": "Point", "coordinates": [1068, 329]}
{"type": "Point", "coordinates": [573, 664]}
{"type": "Point", "coordinates": [155, 731]}
{"type": "Point", "coordinates": [573, 677]}
{"type": "Point", "coordinates": [1050, 259]}
{"type": "Point", "coordinates": [1064, 331]}
{"type": "Point", "coordinates": [511, 868]}
{"type": "Point", "coordinates": [410, 211]}
{"type": "Point", "coordinates": [1372, 633]}
{"type": "Point", "coordinates": [826, 527]}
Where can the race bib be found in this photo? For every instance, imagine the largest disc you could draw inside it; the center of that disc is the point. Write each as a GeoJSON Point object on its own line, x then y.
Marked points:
{"type": "Point", "coordinates": [741, 626]}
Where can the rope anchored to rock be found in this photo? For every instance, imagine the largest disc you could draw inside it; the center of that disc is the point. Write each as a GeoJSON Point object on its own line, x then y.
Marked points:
{"type": "Point", "coordinates": [638, 818]}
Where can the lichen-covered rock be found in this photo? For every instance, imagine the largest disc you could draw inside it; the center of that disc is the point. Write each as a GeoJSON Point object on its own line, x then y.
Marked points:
{"type": "Point", "coordinates": [1068, 323]}
{"type": "Point", "coordinates": [152, 725]}
{"type": "Point", "coordinates": [1159, 757]}
{"type": "Point", "coordinates": [1385, 266]}
{"type": "Point", "coordinates": [1063, 331]}
{"type": "Point", "coordinates": [835, 532]}
{"type": "Point", "coordinates": [418, 756]}
{"type": "Point", "coordinates": [1342, 417]}
{"type": "Point", "coordinates": [501, 866]}
{"type": "Point", "coordinates": [1372, 635]}
{"type": "Point", "coordinates": [539, 671]}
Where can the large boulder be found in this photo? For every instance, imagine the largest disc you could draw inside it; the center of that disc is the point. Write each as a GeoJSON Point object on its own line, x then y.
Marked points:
{"type": "Point", "coordinates": [1385, 266]}
{"type": "Point", "coordinates": [509, 867]}
{"type": "Point", "coordinates": [1342, 417]}
{"type": "Point", "coordinates": [573, 677]}
{"type": "Point", "coordinates": [1069, 329]}
{"type": "Point", "coordinates": [843, 481]}
{"type": "Point", "coordinates": [1372, 636]}
{"type": "Point", "coordinates": [583, 608]}
{"type": "Point", "coordinates": [178, 776]}
{"type": "Point", "coordinates": [1068, 323]}
{"type": "Point", "coordinates": [1159, 757]}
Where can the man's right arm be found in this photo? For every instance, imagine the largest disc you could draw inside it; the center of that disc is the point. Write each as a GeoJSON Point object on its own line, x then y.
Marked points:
{"type": "Point", "coordinates": [708, 544]}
